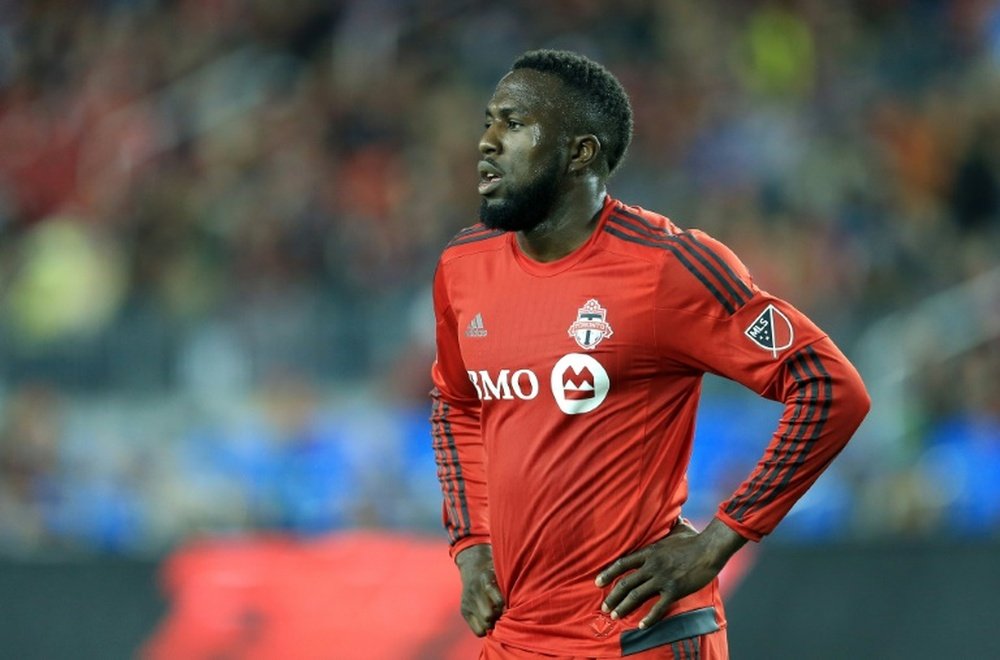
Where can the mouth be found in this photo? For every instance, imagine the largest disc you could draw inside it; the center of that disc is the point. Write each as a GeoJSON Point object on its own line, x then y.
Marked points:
{"type": "Point", "coordinates": [490, 177]}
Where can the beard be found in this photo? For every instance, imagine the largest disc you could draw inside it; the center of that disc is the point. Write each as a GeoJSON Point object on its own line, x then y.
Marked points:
{"type": "Point", "coordinates": [525, 208]}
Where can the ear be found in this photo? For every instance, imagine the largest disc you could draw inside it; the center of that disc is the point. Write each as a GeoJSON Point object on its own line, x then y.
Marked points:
{"type": "Point", "coordinates": [583, 152]}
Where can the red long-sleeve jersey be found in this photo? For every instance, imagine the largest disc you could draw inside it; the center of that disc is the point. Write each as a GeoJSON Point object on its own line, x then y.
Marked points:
{"type": "Point", "coordinates": [564, 408]}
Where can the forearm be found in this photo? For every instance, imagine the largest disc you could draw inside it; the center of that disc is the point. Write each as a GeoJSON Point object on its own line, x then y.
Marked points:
{"type": "Point", "coordinates": [460, 470]}
{"type": "Point", "coordinates": [825, 402]}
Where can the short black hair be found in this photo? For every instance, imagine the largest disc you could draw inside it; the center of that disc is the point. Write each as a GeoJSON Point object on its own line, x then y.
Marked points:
{"type": "Point", "coordinates": [605, 109]}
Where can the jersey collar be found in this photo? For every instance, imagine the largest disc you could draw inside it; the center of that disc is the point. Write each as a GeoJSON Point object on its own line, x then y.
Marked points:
{"type": "Point", "coordinates": [550, 268]}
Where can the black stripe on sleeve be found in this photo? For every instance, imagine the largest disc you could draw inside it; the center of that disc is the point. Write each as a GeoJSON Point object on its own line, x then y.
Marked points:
{"type": "Point", "coordinates": [465, 521]}
{"type": "Point", "coordinates": [730, 277]}
{"type": "Point", "coordinates": [796, 452]}
{"type": "Point", "coordinates": [726, 283]}
{"type": "Point", "coordinates": [721, 271]}
{"type": "Point", "coordinates": [765, 476]}
{"type": "Point", "coordinates": [444, 471]}
{"type": "Point", "coordinates": [670, 246]}
{"type": "Point", "coordinates": [625, 214]}
{"type": "Point", "coordinates": [822, 376]}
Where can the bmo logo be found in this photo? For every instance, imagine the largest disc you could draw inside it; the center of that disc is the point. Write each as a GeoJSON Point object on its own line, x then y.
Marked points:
{"type": "Point", "coordinates": [579, 384]}
{"type": "Point", "coordinates": [522, 384]}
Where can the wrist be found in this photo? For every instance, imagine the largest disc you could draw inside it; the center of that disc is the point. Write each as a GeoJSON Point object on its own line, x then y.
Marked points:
{"type": "Point", "coordinates": [721, 542]}
{"type": "Point", "coordinates": [475, 556]}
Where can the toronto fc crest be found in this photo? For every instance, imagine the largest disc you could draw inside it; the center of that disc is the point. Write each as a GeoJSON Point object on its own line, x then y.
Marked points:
{"type": "Point", "coordinates": [591, 326]}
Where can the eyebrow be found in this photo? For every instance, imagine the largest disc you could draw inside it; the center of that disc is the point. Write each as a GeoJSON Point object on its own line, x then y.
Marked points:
{"type": "Point", "coordinates": [506, 111]}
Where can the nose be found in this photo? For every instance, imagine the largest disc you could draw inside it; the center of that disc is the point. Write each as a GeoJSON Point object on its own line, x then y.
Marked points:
{"type": "Point", "coordinates": [488, 144]}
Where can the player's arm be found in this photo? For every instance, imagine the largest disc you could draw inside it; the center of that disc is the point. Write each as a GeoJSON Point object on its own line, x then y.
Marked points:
{"type": "Point", "coordinates": [711, 318]}
{"type": "Point", "coordinates": [824, 403]}
{"type": "Point", "coordinates": [458, 451]}
{"type": "Point", "coordinates": [726, 325]}
{"type": "Point", "coordinates": [747, 335]}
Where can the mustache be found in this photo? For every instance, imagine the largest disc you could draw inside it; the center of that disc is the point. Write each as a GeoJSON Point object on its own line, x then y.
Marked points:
{"type": "Point", "coordinates": [491, 162]}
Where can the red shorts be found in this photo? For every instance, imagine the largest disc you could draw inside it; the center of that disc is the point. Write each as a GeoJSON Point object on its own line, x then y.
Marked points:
{"type": "Point", "coordinates": [712, 646]}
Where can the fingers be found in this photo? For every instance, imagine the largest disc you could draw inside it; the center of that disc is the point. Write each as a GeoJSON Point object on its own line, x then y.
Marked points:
{"type": "Point", "coordinates": [492, 593]}
{"type": "Point", "coordinates": [623, 587]}
{"type": "Point", "coordinates": [477, 625]}
{"type": "Point", "coordinates": [632, 598]}
{"type": "Point", "coordinates": [655, 613]}
{"type": "Point", "coordinates": [480, 617]}
{"type": "Point", "coordinates": [484, 609]}
{"type": "Point", "coordinates": [482, 603]}
{"type": "Point", "coordinates": [622, 565]}
{"type": "Point", "coordinates": [647, 580]}
{"type": "Point", "coordinates": [488, 600]}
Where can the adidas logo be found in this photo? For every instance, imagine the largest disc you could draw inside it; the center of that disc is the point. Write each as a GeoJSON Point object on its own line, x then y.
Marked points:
{"type": "Point", "coordinates": [476, 328]}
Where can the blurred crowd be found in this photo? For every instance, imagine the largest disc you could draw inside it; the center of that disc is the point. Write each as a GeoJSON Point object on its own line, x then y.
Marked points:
{"type": "Point", "coordinates": [219, 218]}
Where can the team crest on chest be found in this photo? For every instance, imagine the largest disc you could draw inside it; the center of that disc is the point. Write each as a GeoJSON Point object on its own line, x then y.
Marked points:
{"type": "Point", "coordinates": [591, 326]}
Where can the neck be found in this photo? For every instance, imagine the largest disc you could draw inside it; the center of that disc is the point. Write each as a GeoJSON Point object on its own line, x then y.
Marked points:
{"type": "Point", "coordinates": [568, 226]}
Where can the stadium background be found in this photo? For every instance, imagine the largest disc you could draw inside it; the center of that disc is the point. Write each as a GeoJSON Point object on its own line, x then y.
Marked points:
{"type": "Point", "coordinates": [218, 222]}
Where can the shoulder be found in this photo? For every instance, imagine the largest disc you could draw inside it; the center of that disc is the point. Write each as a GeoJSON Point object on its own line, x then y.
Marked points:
{"type": "Point", "coordinates": [696, 270]}
{"type": "Point", "coordinates": [635, 224]}
{"type": "Point", "coordinates": [637, 233]}
{"type": "Point", "coordinates": [472, 240]}
{"type": "Point", "coordinates": [713, 278]}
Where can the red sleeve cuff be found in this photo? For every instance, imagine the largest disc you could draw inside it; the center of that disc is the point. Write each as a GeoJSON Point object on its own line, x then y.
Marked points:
{"type": "Point", "coordinates": [742, 530]}
{"type": "Point", "coordinates": [466, 542]}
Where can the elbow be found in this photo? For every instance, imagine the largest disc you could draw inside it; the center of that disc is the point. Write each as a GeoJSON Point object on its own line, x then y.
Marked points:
{"type": "Point", "coordinates": [856, 401]}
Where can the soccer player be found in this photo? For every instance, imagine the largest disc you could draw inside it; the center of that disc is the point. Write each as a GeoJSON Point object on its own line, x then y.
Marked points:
{"type": "Point", "coordinates": [573, 331]}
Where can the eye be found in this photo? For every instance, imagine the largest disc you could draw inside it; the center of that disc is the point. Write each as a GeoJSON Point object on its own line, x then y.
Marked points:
{"type": "Point", "coordinates": [514, 124]}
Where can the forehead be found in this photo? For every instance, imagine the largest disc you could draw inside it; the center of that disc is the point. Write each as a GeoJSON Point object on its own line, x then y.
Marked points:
{"type": "Point", "coordinates": [529, 91]}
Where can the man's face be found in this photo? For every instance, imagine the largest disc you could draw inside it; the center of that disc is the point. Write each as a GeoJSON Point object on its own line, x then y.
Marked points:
{"type": "Point", "coordinates": [523, 152]}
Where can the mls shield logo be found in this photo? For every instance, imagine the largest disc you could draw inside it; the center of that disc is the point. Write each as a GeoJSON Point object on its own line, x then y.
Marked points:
{"type": "Point", "coordinates": [591, 326]}
{"type": "Point", "coordinates": [771, 331]}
